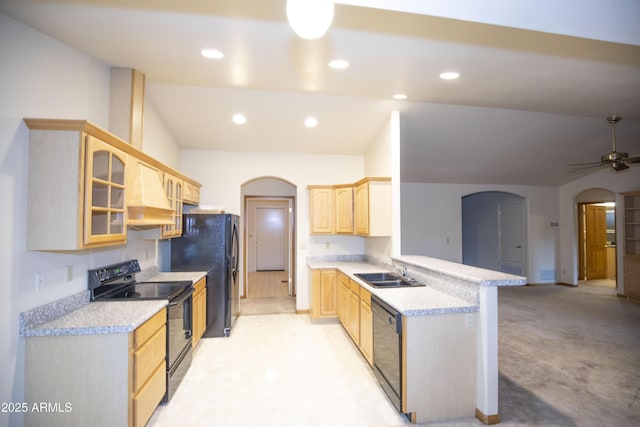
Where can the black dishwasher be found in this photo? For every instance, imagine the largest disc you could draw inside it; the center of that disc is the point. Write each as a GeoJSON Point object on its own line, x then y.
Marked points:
{"type": "Point", "coordinates": [387, 349]}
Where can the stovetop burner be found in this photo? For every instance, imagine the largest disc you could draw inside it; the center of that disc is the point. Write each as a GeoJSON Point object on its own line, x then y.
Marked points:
{"type": "Point", "coordinates": [117, 283]}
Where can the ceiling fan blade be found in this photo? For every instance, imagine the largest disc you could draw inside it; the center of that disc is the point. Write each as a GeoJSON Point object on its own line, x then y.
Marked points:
{"type": "Point", "coordinates": [635, 159]}
{"type": "Point", "coordinates": [586, 166]}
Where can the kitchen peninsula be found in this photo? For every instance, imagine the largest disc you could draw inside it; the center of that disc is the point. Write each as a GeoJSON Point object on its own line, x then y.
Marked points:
{"type": "Point", "coordinates": [459, 299]}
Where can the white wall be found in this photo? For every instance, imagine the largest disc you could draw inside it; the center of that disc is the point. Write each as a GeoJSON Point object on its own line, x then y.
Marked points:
{"type": "Point", "coordinates": [628, 180]}
{"type": "Point", "coordinates": [41, 78]}
{"type": "Point", "coordinates": [378, 162]}
{"type": "Point", "coordinates": [432, 222]}
{"type": "Point", "coordinates": [222, 174]}
{"type": "Point", "coordinates": [157, 141]}
{"type": "Point", "coordinates": [38, 78]}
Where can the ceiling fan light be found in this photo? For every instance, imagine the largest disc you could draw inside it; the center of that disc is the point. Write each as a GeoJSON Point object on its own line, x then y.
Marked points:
{"type": "Point", "coordinates": [310, 19]}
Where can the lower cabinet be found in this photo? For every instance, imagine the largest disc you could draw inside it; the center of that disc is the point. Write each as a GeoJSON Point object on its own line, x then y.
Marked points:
{"type": "Point", "coordinates": [323, 293]}
{"type": "Point", "coordinates": [366, 325]}
{"type": "Point", "coordinates": [96, 380]}
{"type": "Point", "coordinates": [199, 310]}
{"type": "Point", "coordinates": [342, 298]}
{"type": "Point", "coordinates": [353, 324]}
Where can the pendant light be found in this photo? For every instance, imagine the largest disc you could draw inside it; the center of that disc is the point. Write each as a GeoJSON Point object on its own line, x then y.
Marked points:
{"type": "Point", "coordinates": [310, 19]}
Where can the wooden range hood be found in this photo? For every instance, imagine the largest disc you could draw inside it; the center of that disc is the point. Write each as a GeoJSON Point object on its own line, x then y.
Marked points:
{"type": "Point", "coordinates": [147, 204]}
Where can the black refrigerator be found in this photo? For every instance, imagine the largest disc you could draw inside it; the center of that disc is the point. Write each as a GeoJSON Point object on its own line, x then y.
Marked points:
{"type": "Point", "coordinates": [209, 243]}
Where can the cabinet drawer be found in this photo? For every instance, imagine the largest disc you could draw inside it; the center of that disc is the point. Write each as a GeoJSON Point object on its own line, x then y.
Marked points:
{"type": "Point", "coordinates": [147, 357]}
{"type": "Point", "coordinates": [148, 398]}
{"type": "Point", "coordinates": [365, 296]}
{"type": "Point", "coordinates": [148, 328]}
{"type": "Point", "coordinates": [355, 287]}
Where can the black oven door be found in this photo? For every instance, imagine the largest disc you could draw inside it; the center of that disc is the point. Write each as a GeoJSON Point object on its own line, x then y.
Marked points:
{"type": "Point", "coordinates": [387, 349]}
{"type": "Point", "coordinates": [179, 324]}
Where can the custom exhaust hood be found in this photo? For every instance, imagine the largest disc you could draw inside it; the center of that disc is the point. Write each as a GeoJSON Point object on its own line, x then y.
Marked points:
{"type": "Point", "coordinates": [147, 204]}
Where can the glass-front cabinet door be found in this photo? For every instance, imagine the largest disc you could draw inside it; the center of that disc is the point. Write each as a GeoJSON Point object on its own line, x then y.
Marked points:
{"type": "Point", "coordinates": [104, 214]}
{"type": "Point", "coordinates": [174, 192]}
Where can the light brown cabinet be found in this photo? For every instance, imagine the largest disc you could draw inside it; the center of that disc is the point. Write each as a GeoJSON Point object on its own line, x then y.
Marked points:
{"type": "Point", "coordinates": [199, 310]}
{"type": "Point", "coordinates": [76, 195]}
{"type": "Point", "coordinates": [323, 293]}
{"type": "Point", "coordinates": [363, 208]}
{"type": "Point", "coordinates": [191, 195]}
{"type": "Point", "coordinates": [321, 211]}
{"type": "Point", "coordinates": [366, 325]}
{"type": "Point", "coordinates": [129, 369]}
{"type": "Point", "coordinates": [343, 209]}
{"type": "Point", "coordinates": [81, 193]}
{"type": "Point", "coordinates": [173, 192]}
{"type": "Point", "coordinates": [372, 207]}
{"type": "Point", "coordinates": [353, 324]}
{"type": "Point", "coordinates": [631, 254]}
{"type": "Point", "coordinates": [342, 298]}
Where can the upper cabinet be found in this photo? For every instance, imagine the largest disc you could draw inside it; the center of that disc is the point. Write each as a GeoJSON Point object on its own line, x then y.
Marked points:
{"type": "Point", "coordinates": [173, 191]}
{"type": "Point", "coordinates": [363, 208]}
{"type": "Point", "coordinates": [191, 193]}
{"type": "Point", "coordinates": [105, 193]}
{"type": "Point", "coordinates": [344, 209]}
{"type": "Point", "coordinates": [76, 193]}
{"type": "Point", "coordinates": [86, 186]}
{"type": "Point", "coordinates": [372, 207]}
{"type": "Point", "coordinates": [321, 209]}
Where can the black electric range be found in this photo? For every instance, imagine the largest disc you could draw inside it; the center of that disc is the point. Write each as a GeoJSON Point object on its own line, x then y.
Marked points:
{"type": "Point", "coordinates": [117, 282]}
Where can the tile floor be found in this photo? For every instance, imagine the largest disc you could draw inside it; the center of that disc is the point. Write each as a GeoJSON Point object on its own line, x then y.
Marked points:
{"type": "Point", "coordinates": [279, 370]}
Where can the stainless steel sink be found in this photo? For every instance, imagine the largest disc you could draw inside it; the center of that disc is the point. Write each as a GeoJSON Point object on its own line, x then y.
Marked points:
{"type": "Point", "coordinates": [387, 280]}
{"type": "Point", "coordinates": [377, 277]}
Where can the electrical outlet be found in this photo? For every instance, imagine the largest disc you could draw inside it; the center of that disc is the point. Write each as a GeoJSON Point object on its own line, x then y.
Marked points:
{"type": "Point", "coordinates": [69, 273]}
{"type": "Point", "coordinates": [468, 320]}
{"type": "Point", "coordinates": [39, 281]}
{"type": "Point", "coordinates": [327, 245]}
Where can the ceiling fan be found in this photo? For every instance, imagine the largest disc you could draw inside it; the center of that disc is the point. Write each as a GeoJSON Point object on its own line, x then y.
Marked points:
{"type": "Point", "coordinates": [617, 160]}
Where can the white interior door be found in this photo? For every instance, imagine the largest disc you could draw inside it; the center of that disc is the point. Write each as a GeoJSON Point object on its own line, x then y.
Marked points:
{"type": "Point", "coordinates": [512, 237]}
{"type": "Point", "coordinates": [271, 238]}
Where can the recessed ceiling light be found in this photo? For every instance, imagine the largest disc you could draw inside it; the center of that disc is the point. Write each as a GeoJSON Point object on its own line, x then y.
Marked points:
{"type": "Point", "coordinates": [212, 53]}
{"type": "Point", "coordinates": [449, 75]}
{"type": "Point", "coordinates": [399, 96]}
{"type": "Point", "coordinates": [239, 119]}
{"type": "Point", "coordinates": [311, 122]}
{"type": "Point", "coordinates": [339, 64]}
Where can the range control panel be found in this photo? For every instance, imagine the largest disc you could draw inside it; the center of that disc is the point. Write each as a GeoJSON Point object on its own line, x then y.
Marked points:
{"type": "Point", "coordinates": [123, 271]}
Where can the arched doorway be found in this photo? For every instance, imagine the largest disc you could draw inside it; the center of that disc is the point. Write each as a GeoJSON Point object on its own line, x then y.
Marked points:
{"type": "Point", "coordinates": [596, 209]}
{"type": "Point", "coordinates": [268, 236]}
{"type": "Point", "coordinates": [494, 225]}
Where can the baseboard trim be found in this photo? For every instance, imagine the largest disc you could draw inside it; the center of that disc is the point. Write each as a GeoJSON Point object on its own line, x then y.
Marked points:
{"type": "Point", "coordinates": [302, 311]}
{"type": "Point", "coordinates": [487, 419]}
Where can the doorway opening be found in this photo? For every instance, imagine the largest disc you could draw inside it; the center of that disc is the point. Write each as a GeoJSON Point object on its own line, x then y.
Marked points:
{"type": "Point", "coordinates": [597, 238]}
{"type": "Point", "coordinates": [269, 258]}
{"type": "Point", "coordinates": [494, 225]}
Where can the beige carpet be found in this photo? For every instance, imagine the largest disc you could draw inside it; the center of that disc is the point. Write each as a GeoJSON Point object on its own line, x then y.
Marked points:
{"type": "Point", "coordinates": [569, 356]}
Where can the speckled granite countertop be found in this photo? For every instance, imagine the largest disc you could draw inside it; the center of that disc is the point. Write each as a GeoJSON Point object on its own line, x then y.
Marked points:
{"type": "Point", "coordinates": [194, 276]}
{"type": "Point", "coordinates": [412, 301]}
{"type": "Point", "coordinates": [475, 275]}
{"type": "Point", "coordinates": [109, 317]}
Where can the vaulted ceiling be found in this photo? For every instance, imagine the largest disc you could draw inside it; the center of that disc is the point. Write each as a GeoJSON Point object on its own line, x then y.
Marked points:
{"type": "Point", "coordinates": [537, 80]}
